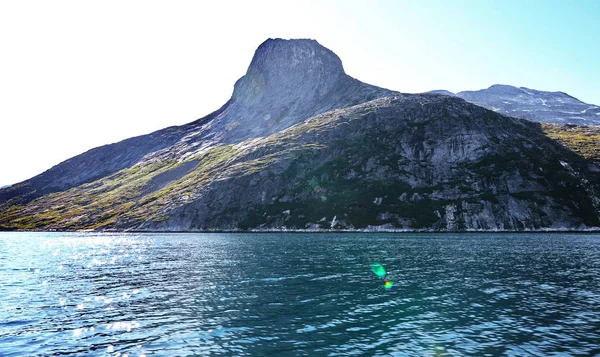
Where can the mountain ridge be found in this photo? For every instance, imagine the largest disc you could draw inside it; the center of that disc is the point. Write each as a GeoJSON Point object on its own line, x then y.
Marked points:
{"type": "Point", "coordinates": [541, 106]}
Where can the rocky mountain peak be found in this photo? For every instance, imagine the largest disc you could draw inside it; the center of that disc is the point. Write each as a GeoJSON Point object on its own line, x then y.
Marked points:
{"type": "Point", "coordinates": [287, 81]}
{"type": "Point", "coordinates": [289, 68]}
{"type": "Point", "coordinates": [295, 54]}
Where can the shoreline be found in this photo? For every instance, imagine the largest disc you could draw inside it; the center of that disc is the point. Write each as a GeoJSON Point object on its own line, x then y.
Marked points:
{"type": "Point", "coordinates": [321, 231]}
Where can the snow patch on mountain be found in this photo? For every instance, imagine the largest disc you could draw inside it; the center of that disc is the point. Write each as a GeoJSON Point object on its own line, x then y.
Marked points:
{"type": "Point", "coordinates": [535, 105]}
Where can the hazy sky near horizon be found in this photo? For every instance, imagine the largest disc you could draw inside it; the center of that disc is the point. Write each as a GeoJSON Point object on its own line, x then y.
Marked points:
{"type": "Point", "coordinates": [79, 74]}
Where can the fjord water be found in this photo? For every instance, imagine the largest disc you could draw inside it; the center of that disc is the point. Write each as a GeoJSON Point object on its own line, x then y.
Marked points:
{"type": "Point", "coordinates": [299, 294]}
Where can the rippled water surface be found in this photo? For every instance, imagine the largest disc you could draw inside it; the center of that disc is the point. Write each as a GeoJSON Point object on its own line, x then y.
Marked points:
{"type": "Point", "coordinates": [299, 294]}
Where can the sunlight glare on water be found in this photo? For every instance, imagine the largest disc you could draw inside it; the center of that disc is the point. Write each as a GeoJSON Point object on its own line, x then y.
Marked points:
{"type": "Point", "coordinates": [299, 294]}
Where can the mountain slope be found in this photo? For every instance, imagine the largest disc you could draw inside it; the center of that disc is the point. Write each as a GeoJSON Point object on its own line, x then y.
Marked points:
{"type": "Point", "coordinates": [397, 162]}
{"type": "Point", "coordinates": [301, 145]}
{"type": "Point", "coordinates": [286, 83]}
{"type": "Point", "coordinates": [531, 104]}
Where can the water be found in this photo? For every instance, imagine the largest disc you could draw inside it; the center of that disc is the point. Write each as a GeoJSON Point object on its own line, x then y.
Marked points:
{"type": "Point", "coordinates": [299, 295]}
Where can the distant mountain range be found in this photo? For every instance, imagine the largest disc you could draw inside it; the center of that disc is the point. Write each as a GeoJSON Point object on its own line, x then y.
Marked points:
{"type": "Point", "coordinates": [303, 146]}
{"type": "Point", "coordinates": [531, 104]}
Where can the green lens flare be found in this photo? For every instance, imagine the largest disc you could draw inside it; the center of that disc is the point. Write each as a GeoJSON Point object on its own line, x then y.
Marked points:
{"type": "Point", "coordinates": [378, 269]}
{"type": "Point", "coordinates": [388, 284]}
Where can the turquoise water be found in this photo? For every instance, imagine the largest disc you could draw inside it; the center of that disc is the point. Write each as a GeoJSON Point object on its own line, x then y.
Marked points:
{"type": "Point", "coordinates": [299, 295]}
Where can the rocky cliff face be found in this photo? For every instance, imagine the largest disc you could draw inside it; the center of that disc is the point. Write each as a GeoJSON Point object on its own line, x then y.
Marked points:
{"type": "Point", "coordinates": [405, 161]}
{"type": "Point", "coordinates": [531, 104]}
{"type": "Point", "coordinates": [301, 145]}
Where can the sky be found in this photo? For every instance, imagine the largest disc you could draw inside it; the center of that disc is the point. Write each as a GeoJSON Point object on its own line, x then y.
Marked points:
{"type": "Point", "coordinates": [75, 75]}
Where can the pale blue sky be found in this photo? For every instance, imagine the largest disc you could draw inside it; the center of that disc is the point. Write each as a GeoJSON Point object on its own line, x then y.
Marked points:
{"type": "Point", "coordinates": [75, 75]}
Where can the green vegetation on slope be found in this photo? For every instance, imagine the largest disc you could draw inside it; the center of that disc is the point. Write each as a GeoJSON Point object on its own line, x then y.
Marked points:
{"type": "Point", "coordinates": [126, 197]}
{"type": "Point", "coordinates": [584, 140]}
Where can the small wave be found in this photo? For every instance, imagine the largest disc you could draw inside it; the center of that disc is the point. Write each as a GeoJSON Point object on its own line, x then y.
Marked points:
{"type": "Point", "coordinates": [328, 277]}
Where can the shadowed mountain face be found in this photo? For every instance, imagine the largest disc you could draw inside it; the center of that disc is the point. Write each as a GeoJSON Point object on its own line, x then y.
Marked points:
{"type": "Point", "coordinates": [301, 145]}
{"type": "Point", "coordinates": [531, 104]}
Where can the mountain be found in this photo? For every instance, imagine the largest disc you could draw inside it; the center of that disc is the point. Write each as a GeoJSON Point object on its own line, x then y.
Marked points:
{"type": "Point", "coordinates": [443, 91]}
{"type": "Point", "coordinates": [284, 85]}
{"type": "Point", "coordinates": [531, 104]}
{"type": "Point", "coordinates": [302, 145]}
